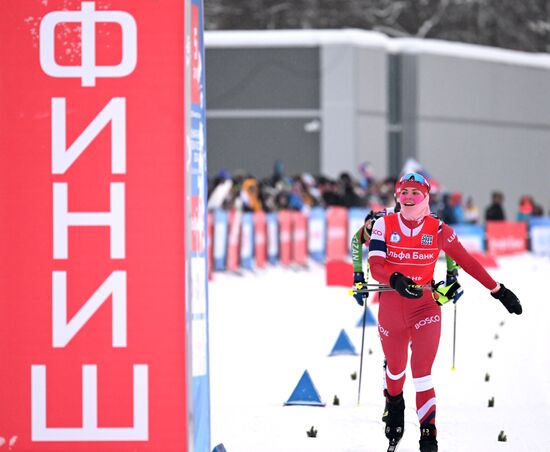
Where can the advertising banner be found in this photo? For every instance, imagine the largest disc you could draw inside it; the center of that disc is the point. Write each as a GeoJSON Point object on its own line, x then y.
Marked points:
{"type": "Point", "coordinates": [299, 238]}
{"type": "Point", "coordinates": [221, 227]}
{"type": "Point", "coordinates": [337, 228]}
{"type": "Point", "coordinates": [260, 240]}
{"type": "Point", "coordinates": [272, 237]}
{"type": "Point", "coordinates": [506, 237]}
{"type": "Point", "coordinates": [285, 235]}
{"type": "Point", "coordinates": [471, 236]}
{"type": "Point", "coordinates": [539, 231]}
{"type": "Point", "coordinates": [316, 234]}
{"type": "Point", "coordinates": [247, 241]}
{"type": "Point", "coordinates": [197, 313]}
{"type": "Point", "coordinates": [92, 198]}
{"type": "Point", "coordinates": [233, 250]}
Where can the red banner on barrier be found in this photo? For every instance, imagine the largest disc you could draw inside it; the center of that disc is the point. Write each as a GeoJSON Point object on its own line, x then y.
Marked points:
{"type": "Point", "coordinates": [337, 225]}
{"type": "Point", "coordinates": [285, 235]}
{"type": "Point", "coordinates": [299, 238]}
{"type": "Point", "coordinates": [506, 237]}
{"type": "Point", "coordinates": [233, 240]}
{"type": "Point", "coordinates": [92, 258]}
{"type": "Point", "coordinates": [260, 240]}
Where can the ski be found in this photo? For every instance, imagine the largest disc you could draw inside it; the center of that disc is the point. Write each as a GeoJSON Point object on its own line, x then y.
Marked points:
{"type": "Point", "coordinates": [393, 445]}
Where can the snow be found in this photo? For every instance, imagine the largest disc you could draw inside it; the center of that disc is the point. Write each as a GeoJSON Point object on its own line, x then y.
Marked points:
{"type": "Point", "coordinates": [294, 38]}
{"type": "Point", "coordinates": [268, 326]}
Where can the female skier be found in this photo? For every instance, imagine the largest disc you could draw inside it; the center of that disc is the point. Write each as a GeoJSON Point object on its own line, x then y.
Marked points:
{"type": "Point", "coordinates": [452, 290]}
{"type": "Point", "coordinates": [403, 251]}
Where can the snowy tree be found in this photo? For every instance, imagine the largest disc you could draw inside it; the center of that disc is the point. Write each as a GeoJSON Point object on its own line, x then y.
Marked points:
{"type": "Point", "coordinates": [522, 25]}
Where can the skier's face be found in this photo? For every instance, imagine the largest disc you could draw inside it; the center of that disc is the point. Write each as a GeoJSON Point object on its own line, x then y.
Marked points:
{"type": "Point", "coordinates": [410, 196]}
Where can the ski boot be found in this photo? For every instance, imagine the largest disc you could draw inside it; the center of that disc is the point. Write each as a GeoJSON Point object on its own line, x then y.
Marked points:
{"type": "Point", "coordinates": [386, 407]}
{"type": "Point", "coordinates": [395, 423]}
{"type": "Point", "coordinates": [428, 441]}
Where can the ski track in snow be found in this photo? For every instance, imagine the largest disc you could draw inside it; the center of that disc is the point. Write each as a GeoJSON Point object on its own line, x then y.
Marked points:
{"type": "Point", "coordinates": [268, 326]}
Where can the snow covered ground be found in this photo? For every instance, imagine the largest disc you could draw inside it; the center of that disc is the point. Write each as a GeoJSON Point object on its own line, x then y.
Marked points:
{"type": "Point", "coordinates": [267, 327]}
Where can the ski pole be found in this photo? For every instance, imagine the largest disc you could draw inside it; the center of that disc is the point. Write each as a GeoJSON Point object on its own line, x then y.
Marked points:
{"type": "Point", "coordinates": [362, 345]}
{"type": "Point", "coordinates": [369, 289]}
{"type": "Point", "coordinates": [381, 288]}
{"type": "Point", "coordinates": [454, 339]}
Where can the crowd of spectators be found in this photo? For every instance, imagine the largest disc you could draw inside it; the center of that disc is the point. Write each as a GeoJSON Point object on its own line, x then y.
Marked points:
{"type": "Point", "coordinates": [304, 191]}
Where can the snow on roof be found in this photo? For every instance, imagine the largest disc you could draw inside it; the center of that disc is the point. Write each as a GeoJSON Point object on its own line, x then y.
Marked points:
{"type": "Point", "coordinates": [294, 38]}
{"type": "Point", "coordinates": [364, 38]}
{"type": "Point", "coordinates": [471, 51]}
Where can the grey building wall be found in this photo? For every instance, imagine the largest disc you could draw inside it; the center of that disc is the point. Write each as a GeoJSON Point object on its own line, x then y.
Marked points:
{"type": "Point", "coordinates": [354, 108]}
{"type": "Point", "coordinates": [262, 106]}
{"type": "Point", "coordinates": [483, 126]}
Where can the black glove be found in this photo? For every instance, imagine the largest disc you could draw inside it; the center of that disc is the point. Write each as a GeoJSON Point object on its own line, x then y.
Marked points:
{"type": "Point", "coordinates": [405, 286]}
{"type": "Point", "coordinates": [359, 283]}
{"type": "Point", "coordinates": [452, 276]}
{"type": "Point", "coordinates": [452, 292]}
{"type": "Point", "coordinates": [508, 299]}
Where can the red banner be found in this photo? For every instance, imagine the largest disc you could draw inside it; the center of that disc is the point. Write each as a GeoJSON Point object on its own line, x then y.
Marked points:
{"type": "Point", "coordinates": [337, 224]}
{"type": "Point", "coordinates": [506, 237]}
{"type": "Point", "coordinates": [285, 231]}
{"type": "Point", "coordinates": [233, 240]}
{"type": "Point", "coordinates": [92, 257]}
{"type": "Point", "coordinates": [260, 241]}
{"type": "Point", "coordinates": [299, 238]}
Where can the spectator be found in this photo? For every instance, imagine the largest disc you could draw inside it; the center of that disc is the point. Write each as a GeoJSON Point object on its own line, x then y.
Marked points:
{"type": "Point", "coordinates": [525, 208]}
{"type": "Point", "coordinates": [447, 214]}
{"type": "Point", "coordinates": [282, 200]}
{"type": "Point", "coordinates": [495, 211]}
{"type": "Point", "coordinates": [366, 171]}
{"type": "Point", "coordinates": [312, 194]}
{"type": "Point", "coordinates": [538, 210]}
{"type": "Point", "coordinates": [436, 202]}
{"type": "Point", "coordinates": [471, 211]}
{"type": "Point", "coordinates": [386, 192]}
{"type": "Point", "coordinates": [329, 192]}
{"type": "Point", "coordinates": [220, 192]}
{"type": "Point", "coordinates": [278, 173]}
{"type": "Point", "coordinates": [267, 194]}
{"type": "Point", "coordinates": [456, 203]}
{"type": "Point", "coordinates": [249, 196]}
{"type": "Point", "coordinates": [349, 195]}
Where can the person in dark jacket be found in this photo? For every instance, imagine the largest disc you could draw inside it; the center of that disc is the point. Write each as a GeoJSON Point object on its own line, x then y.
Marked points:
{"type": "Point", "coordinates": [447, 214]}
{"type": "Point", "coordinates": [495, 211]}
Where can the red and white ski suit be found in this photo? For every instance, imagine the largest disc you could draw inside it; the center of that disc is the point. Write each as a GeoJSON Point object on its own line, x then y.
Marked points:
{"type": "Point", "coordinates": [410, 248]}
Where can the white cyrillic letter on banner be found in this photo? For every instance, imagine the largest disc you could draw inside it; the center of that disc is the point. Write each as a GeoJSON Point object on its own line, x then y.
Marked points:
{"type": "Point", "coordinates": [64, 330]}
{"type": "Point", "coordinates": [62, 219]}
{"type": "Point", "coordinates": [89, 430]}
{"type": "Point", "coordinates": [63, 157]}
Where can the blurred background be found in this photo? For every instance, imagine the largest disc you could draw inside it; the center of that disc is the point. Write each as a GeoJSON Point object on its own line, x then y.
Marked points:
{"type": "Point", "coordinates": [319, 103]}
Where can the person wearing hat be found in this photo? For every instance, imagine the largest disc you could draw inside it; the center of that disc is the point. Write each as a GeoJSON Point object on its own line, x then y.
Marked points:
{"type": "Point", "coordinates": [450, 292]}
{"type": "Point", "coordinates": [403, 251]}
